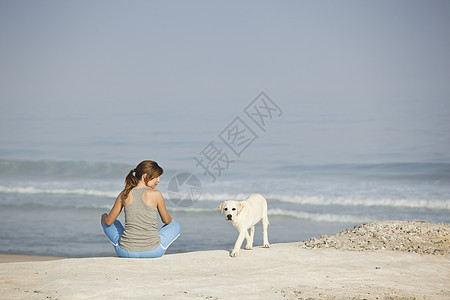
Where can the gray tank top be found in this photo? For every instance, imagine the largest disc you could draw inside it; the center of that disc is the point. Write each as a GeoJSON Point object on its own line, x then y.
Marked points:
{"type": "Point", "coordinates": [141, 229]}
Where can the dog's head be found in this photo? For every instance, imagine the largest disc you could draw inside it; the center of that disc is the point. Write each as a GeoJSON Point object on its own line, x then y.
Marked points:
{"type": "Point", "coordinates": [231, 209]}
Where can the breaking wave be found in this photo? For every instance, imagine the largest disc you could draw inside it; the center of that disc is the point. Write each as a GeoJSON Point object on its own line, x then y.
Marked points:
{"type": "Point", "coordinates": [299, 200]}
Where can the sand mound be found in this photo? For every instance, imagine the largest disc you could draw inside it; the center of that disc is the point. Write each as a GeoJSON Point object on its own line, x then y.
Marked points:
{"type": "Point", "coordinates": [418, 237]}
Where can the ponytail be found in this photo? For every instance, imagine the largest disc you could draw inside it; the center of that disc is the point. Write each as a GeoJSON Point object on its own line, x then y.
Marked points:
{"type": "Point", "coordinates": [149, 167]}
{"type": "Point", "coordinates": [130, 182]}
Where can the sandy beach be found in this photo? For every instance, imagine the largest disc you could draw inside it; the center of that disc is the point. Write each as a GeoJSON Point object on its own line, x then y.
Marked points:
{"type": "Point", "coordinates": [9, 258]}
{"type": "Point", "coordinates": [284, 271]}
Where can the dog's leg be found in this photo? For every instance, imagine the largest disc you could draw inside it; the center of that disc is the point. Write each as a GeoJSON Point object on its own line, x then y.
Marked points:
{"type": "Point", "coordinates": [242, 234]}
{"type": "Point", "coordinates": [265, 224]}
{"type": "Point", "coordinates": [250, 239]}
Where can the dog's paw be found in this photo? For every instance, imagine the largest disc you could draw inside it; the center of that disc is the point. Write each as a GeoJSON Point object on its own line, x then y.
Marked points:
{"type": "Point", "coordinates": [248, 248]}
{"type": "Point", "coordinates": [234, 254]}
{"type": "Point", "coordinates": [266, 245]}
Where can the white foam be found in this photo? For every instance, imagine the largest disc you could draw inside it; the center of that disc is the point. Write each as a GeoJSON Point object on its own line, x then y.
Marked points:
{"type": "Point", "coordinates": [334, 218]}
{"type": "Point", "coordinates": [340, 201]}
{"type": "Point", "coordinates": [33, 190]}
{"type": "Point", "coordinates": [318, 200]}
{"type": "Point", "coordinates": [353, 201]}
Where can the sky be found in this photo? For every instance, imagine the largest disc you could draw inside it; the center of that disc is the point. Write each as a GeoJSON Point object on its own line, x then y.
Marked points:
{"type": "Point", "coordinates": [357, 81]}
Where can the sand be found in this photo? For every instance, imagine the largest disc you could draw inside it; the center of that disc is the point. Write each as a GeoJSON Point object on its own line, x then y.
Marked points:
{"type": "Point", "coordinates": [8, 258]}
{"type": "Point", "coordinates": [284, 271]}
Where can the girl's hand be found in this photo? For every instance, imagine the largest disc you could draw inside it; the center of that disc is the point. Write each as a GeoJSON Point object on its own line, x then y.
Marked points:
{"type": "Point", "coordinates": [102, 219]}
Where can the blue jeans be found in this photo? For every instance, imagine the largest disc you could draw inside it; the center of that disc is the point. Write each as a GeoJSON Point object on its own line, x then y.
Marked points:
{"type": "Point", "coordinates": [168, 234]}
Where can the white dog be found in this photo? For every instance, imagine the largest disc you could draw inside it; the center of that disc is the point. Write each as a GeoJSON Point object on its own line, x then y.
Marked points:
{"type": "Point", "coordinates": [244, 215]}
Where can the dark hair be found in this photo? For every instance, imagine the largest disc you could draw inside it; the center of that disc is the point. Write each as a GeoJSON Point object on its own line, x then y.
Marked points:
{"type": "Point", "coordinates": [149, 167]}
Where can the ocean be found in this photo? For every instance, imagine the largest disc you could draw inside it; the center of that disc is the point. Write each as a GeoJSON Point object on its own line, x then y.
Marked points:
{"type": "Point", "coordinates": [53, 207]}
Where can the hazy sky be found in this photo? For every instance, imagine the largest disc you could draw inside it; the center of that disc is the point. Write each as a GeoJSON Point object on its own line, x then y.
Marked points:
{"type": "Point", "coordinates": [357, 80]}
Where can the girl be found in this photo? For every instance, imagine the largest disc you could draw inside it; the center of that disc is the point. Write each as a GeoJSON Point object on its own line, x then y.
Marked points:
{"type": "Point", "coordinates": [141, 202]}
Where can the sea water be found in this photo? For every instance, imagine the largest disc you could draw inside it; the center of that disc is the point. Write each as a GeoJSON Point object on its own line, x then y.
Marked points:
{"type": "Point", "coordinates": [50, 207]}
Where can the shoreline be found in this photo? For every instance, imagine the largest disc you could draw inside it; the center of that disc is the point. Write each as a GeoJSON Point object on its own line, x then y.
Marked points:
{"type": "Point", "coordinates": [397, 236]}
{"type": "Point", "coordinates": [10, 258]}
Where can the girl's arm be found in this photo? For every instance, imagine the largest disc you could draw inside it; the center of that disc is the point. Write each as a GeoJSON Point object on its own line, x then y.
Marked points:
{"type": "Point", "coordinates": [108, 219]}
{"type": "Point", "coordinates": [161, 205]}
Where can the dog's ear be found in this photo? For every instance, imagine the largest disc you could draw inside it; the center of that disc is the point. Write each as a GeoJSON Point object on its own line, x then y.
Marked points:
{"type": "Point", "coordinates": [221, 208]}
{"type": "Point", "coordinates": [240, 207]}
